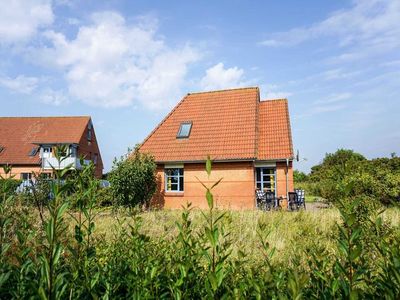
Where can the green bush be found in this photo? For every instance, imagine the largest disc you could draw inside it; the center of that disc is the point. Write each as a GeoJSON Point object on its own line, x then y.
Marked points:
{"type": "Point", "coordinates": [133, 179]}
{"type": "Point", "coordinates": [61, 258]}
{"type": "Point", "coordinates": [105, 197]}
{"type": "Point", "coordinates": [299, 176]}
{"type": "Point", "coordinates": [9, 186]}
{"type": "Point", "coordinates": [378, 179]}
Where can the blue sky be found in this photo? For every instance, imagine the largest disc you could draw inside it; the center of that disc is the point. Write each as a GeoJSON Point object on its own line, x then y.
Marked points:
{"type": "Point", "coordinates": [126, 63]}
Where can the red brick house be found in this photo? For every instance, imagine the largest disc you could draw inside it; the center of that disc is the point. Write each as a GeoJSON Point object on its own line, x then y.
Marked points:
{"type": "Point", "coordinates": [248, 140]}
{"type": "Point", "coordinates": [27, 144]}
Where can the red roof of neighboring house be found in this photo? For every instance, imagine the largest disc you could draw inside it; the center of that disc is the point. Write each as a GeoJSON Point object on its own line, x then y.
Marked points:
{"type": "Point", "coordinates": [227, 125]}
{"type": "Point", "coordinates": [19, 135]}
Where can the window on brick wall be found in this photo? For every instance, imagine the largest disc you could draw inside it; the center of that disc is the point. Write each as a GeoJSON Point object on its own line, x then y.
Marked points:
{"type": "Point", "coordinates": [26, 176]}
{"type": "Point", "coordinates": [174, 179]}
{"type": "Point", "coordinates": [266, 179]}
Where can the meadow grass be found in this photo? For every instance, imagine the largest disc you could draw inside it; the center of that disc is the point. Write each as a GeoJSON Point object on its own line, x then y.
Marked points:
{"type": "Point", "coordinates": [289, 232]}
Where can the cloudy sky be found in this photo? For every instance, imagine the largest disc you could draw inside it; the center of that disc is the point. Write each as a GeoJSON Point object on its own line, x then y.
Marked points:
{"type": "Point", "coordinates": [126, 63]}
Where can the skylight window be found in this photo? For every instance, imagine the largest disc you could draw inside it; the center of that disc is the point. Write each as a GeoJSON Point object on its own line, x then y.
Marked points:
{"type": "Point", "coordinates": [33, 151]}
{"type": "Point", "coordinates": [1, 148]}
{"type": "Point", "coordinates": [184, 130]}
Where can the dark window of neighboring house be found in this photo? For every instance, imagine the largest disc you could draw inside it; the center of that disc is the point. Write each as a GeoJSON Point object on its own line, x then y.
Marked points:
{"type": "Point", "coordinates": [72, 151]}
{"type": "Point", "coordinates": [184, 130]}
{"type": "Point", "coordinates": [174, 179]}
{"type": "Point", "coordinates": [89, 135]}
{"type": "Point", "coordinates": [33, 151]}
{"type": "Point", "coordinates": [89, 131]}
{"type": "Point", "coordinates": [47, 149]}
{"type": "Point", "coordinates": [95, 158]}
{"type": "Point", "coordinates": [26, 176]}
{"type": "Point", "coordinates": [265, 179]}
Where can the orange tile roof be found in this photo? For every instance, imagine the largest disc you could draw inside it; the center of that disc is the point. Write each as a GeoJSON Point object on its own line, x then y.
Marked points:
{"type": "Point", "coordinates": [18, 135]}
{"type": "Point", "coordinates": [275, 139]}
{"type": "Point", "coordinates": [225, 126]}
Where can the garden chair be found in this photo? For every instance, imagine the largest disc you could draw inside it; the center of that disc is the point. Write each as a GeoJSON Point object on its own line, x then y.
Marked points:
{"type": "Point", "coordinates": [293, 201]}
{"type": "Point", "coordinates": [260, 199]}
{"type": "Point", "coordinates": [301, 198]}
{"type": "Point", "coordinates": [270, 200]}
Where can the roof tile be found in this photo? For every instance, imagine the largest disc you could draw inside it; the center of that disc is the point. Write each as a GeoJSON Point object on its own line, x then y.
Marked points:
{"type": "Point", "coordinates": [227, 125]}
{"type": "Point", "coordinates": [18, 135]}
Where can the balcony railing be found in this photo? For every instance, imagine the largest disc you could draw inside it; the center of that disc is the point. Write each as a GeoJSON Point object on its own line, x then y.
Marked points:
{"type": "Point", "coordinates": [49, 163]}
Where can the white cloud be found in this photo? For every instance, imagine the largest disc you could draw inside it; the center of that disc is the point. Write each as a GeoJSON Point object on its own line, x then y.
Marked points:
{"type": "Point", "coordinates": [371, 24]}
{"type": "Point", "coordinates": [217, 77]}
{"type": "Point", "coordinates": [273, 91]}
{"type": "Point", "coordinates": [21, 19]}
{"type": "Point", "coordinates": [277, 95]}
{"type": "Point", "coordinates": [21, 84]}
{"type": "Point", "coordinates": [320, 109]}
{"type": "Point", "coordinates": [111, 63]}
{"type": "Point", "coordinates": [334, 98]}
{"type": "Point", "coordinates": [54, 97]}
{"type": "Point", "coordinates": [337, 74]}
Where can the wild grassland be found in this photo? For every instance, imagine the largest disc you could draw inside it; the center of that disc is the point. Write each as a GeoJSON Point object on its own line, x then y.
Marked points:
{"type": "Point", "coordinates": [287, 230]}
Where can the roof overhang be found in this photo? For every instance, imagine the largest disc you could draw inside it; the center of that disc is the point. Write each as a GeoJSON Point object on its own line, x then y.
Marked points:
{"type": "Point", "coordinates": [54, 143]}
{"type": "Point", "coordinates": [223, 161]}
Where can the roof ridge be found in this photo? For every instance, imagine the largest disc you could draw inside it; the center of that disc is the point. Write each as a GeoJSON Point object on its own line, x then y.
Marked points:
{"type": "Point", "coordinates": [257, 131]}
{"type": "Point", "coordinates": [289, 128]}
{"type": "Point", "coordinates": [277, 99]}
{"type": "Point", "coordinates": [224, 90]}
{"type": "Point", "coordinates": [42, 117]}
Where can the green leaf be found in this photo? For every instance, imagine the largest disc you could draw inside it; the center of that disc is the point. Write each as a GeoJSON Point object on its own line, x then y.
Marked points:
{"type": "Point", "coordinates": [215, 184]}
{"type": "Point", "coordinates": [213, 281]}
{"type": "Point", "coordinates": [210, 199]}
{"type": "Point", "coordinates": [208, 166]}
{"type": "Point", "coordinates": [61, 210]}
{"type": "Point", "coordinates": [42, 293]}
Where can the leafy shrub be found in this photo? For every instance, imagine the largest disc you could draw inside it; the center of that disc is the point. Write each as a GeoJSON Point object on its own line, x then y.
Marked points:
{"type": "Point", "coordinates": [105, 197]}
{"type": "Point", "coordinates": [61, 258]}
{"type": "Point", "coordinates": [133, 180]}
{"type": "Point", "coordinates": [299, 176]}
{"type": "Point", "coordinates": [377, 179]}
{"type": "Point", "coordinates": [8, 184]}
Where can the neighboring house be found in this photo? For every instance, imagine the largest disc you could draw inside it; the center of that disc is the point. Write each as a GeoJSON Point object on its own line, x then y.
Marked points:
{"type": "Point", "coordinates": [27, 144]}
{"type": "Point", "coordinates": [248, 140]}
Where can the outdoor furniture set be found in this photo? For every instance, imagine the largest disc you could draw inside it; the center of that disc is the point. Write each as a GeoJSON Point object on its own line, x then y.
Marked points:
{"type": "Point", "coordinates": [267, 201]}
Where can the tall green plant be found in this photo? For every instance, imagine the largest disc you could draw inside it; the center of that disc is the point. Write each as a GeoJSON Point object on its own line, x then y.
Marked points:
{"type": "Point", "coordinates": [217, 245]}
{"type": "Point", "coordinates": [52, 276]}
{"type": "Point", "coordinates": [133, 180]}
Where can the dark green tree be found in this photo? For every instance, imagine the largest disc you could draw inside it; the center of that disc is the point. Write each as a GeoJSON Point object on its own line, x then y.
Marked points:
{"type": "Point", "coordinates": [133, 179]}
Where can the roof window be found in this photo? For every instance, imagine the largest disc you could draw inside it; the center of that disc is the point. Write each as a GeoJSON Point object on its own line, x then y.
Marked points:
{"type": "Point", "coordinates": [184, 130]}
{"type": "Point", "coordinates": [33, 151]}
{"type": "Point", "coordinates": [1, 148]}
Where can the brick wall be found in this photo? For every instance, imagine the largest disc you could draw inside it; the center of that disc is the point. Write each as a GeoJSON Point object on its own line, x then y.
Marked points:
{"type": "Point", "coordinates": [17, 170]}
{"type": "Point", "coordinates": [89, 149]}
{"type": "Point", "coordinates": [236, 190]}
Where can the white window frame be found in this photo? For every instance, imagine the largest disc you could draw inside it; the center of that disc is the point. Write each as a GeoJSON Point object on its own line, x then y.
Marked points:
{"type": "Point", "coordinates": [261, 181]}
{"type": "Point", "coordinates": [179, 176]}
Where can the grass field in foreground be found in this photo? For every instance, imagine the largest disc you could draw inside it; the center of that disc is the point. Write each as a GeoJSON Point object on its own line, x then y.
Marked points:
{"type": "Point", "coordinates": [290, 232]}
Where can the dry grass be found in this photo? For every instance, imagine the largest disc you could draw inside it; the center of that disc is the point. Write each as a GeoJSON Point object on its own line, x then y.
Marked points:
{"type": "Point", "coordinates": [289, 232]}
